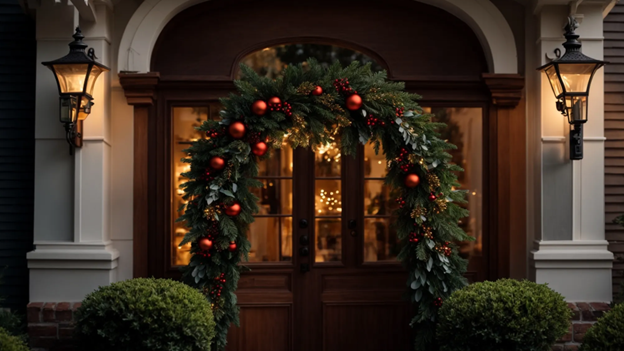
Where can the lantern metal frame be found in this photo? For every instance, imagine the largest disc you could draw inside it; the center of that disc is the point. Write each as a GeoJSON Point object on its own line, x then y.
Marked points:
{"type": "Point", "coordinates": [75, 106]}
{"type": "Point", "coordinates": [572, 104]}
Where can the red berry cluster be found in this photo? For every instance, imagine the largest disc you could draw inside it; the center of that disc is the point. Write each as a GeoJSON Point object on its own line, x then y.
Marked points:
{"type": "Point", "coordinates": [207, 176]}
{"type": "Point", "coordinates": [413, 237]}
{"type": "Point", "coordinates": [432, 197]}
{"type": "Point", "coordinates": [253, 137]}
{"type": "Point", "coordinates": [214, 133]}
{"type": "Point", "coordinates": [281, 106]}
{"type": "Point", "coordinates": [399, 111]}
{"type": "Point", "coordinates": [374, 121]}
{"type": "Point", "coordinates": [445, 249]}
{"type": "Point", "coordinates": [287, 109]}
{"type": "Point", "coordinates": [203, 253]}
{"type": "Point", "coordinates": [402, 158]}
{"type": "Point", "coordinates": [213, 230]}
{"type": "Point", "coordinates": [342, 86]}
{"type": "Point", "coordinates": [438, 302]}
{"type": "Point", "coordinates": [218, 287]}
{"type": "Point", "coordinates": [400, 201]}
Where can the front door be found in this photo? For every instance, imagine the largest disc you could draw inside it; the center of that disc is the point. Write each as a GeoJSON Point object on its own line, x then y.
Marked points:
{"type": "Point", "coordinates": [323, 269]}
{"type": "Point", "coordinates": [324, 275]}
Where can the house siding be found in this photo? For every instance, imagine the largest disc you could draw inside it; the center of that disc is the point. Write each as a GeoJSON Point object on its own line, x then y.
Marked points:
{"type": "Point", "coordinates": [17, 126]}
{"type": "Point", "coordinates": [614, 132]}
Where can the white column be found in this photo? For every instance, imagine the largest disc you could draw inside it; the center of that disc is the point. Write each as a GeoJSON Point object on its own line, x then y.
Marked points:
{"type": "Point", "coordinates": [571, 252]}
{"type": "Point", "coordinates": [73, 253]}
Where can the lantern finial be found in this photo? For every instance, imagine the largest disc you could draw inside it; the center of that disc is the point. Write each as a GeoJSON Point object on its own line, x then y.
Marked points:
{"type": "Point", "coordinates": [77, 45]}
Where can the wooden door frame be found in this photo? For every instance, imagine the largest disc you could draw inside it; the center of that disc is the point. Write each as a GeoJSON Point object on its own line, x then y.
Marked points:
{"type": "Point", "coordinates": [504, 151]}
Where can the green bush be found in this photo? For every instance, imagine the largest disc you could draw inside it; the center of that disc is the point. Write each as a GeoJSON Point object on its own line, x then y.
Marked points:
{"type": "Point", "coordinates": [11, 343]}
{"type": "Point", "coordinates": [608, 333]}
{"type": "Point", "coordinates": [11, 323]}
{"type": "Point", "coordinates": [507, 315]}
{"type": "Point", "coordinates": [145, 315]}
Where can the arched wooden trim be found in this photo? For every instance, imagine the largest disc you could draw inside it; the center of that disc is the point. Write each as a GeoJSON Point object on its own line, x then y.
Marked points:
{"type": "Point", "coordinates": [311, 40]}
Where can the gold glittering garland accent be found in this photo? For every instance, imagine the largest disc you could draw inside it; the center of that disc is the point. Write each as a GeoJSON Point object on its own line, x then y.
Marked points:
{"type": "Point", "coordinates": [427, 232]}
{"type": "Point", "coordinates": [298, 134]}
{"type": "Point", "coordinates": [440, 204]}
{"type": "Point", "coordinates": [305, 88]}
{"type": "Point", "coordinates": [434, 181]}
{"type": "Point", "coordinates": [383, 97]}
{"type": "Point", "coordinates": [418, 212]}
{"type": "Point", "coordinates": [210, 212]}
{"type": "Point", "coordinates": [328, 101]}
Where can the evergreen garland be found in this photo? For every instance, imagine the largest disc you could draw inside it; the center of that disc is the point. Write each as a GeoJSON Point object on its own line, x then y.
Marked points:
{"type": "Point", "coordinates": [389, 117]}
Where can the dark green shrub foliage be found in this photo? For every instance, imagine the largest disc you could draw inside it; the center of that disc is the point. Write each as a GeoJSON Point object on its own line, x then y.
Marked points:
{"type": "Point", "coordinates": [11, 343]}
{"type": "Point", "coordinates": [608, 333]}
{"type": "Point", "coordinates": [145, 315]}
{"type": "Point", "coordinates": [507, 315]}
{"type": "Point", "coordinates": [11, 323]}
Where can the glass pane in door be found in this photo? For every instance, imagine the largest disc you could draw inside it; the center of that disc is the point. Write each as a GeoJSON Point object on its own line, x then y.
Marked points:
{"type": "Point", "coordinates": [380, 238]}
{"type": "Point", "coordinates": [328, 203]}
{"type": "Point", "coordinates": [271, 233]}
{"type": "Point", "coordinates": [184, 121]}
{"type": "Point", "coordinates": [464, 128]}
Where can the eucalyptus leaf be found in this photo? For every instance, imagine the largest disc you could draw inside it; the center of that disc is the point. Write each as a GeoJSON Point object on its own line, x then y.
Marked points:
{"type": "Point", "coordinates": [227, 193]}
{"type": "Point", "coordinates": [429, 264]}
{"type": "Point", "coordinates": [418, 296]}
{"type": "Point", "coordinates": [234, 187]}
{"type": "Point", "coordinates": [430, 243]}
{"type": "Point", "coordinates": [415, 284]}
{"type": "Point", "coordinates": [364, 113]}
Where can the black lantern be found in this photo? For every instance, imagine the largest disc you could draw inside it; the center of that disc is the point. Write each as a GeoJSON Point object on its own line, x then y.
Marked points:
{"type": "Point", "coordinates": [75, 75]}
{"type": "Point", "coordinates": [570, 77]}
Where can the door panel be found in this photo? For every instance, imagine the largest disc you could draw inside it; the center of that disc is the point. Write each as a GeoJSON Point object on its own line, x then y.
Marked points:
{"type": "Point", "coordinates": [365, 326]}
{"type": "Point", "coordinates": [262, 327]}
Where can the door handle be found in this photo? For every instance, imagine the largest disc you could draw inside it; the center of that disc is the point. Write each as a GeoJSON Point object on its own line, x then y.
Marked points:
{"type": "Point", "coordinates": [352, 224]}
{"type": "Point", "coordinates": [304, 251]}
{"type": "Point", "coordinates": [304, 240]}
{"type": "Point", "coordinates": [303, 223]}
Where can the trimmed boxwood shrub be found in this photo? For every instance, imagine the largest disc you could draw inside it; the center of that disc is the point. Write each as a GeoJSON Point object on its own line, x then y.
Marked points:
{"type": "Point", "coordinates": [608, 333]}
{"type": "Point", "coordinates": [145, 315]}
{"type": "Point", "coordinates": [505, 315]}
{"type": "Point", "coordinates": [9, 342]}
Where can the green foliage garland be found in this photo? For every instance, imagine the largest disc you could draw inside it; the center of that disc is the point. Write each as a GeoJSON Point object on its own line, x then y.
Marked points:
{"type": "Point", "coordinates": [389, 117]}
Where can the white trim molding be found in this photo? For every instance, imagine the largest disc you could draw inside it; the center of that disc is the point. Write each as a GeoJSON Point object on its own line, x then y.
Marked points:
{"type": "Point", "coordinates": [580, 270]}
{"type": "Point", "coordinates": [68, 271]}
{"type": "Point", "coordinates": [488, 23]}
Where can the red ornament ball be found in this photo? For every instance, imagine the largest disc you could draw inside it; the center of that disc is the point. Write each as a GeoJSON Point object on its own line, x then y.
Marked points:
{"type": "Point", "coordinates": [233, 210]}
{"type": "Point", "coordinates": [232, 246]}
{"type": "Point", "coordinates": [259, 149]}
{"type": "Point", "coordinates": [205, 244]}
{"type": "Point", "coordinates": [412, 180]}
{"type": "Point", "coordinates": [275, 101]}
{"type": "Point", "coordinates": [217, 163]}
{"type": "Point", "coordinates": [354, 102]}
{"type": "Point", "coordinates": [259, 107]}
{"type": "Point", "coordinates": [237, 130]}
{"type": "Point", "coordinates": [317, 91]}
{"type": "Point", "coordinates": [432, 197]}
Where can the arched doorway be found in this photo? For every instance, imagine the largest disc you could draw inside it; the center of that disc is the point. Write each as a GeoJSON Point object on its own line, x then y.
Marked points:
{"type": "Point", "coordinates": [350, 286]}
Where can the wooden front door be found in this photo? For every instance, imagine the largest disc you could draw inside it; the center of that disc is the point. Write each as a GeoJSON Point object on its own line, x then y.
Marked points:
{"type": "Point", "coordinates": [323, 269]}
{"type": "Point", "coordinates": [338, 285]}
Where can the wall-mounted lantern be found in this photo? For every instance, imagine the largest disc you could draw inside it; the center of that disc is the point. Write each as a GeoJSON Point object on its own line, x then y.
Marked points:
{"type": "Point", "coordinates": [75, 75]}
{"type": "Point", "coordinates": [570, 77]}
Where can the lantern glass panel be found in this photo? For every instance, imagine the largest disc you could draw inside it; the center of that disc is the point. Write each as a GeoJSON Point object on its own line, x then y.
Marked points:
{"type": "Point", "coordinates": [555, 83]}
{"type": "Point", "coordinates": [576, 107]}
{"type": "Point", "coordinates": [576, 76]}
{"type": "Point", "coordinates": [69, 109]}
{"type": "Point", "coordinates": [85, 108]}
{"type": "Point", "coordinates": [71, 77]}
{"type": "Point", "coordinates": [95, 72]}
